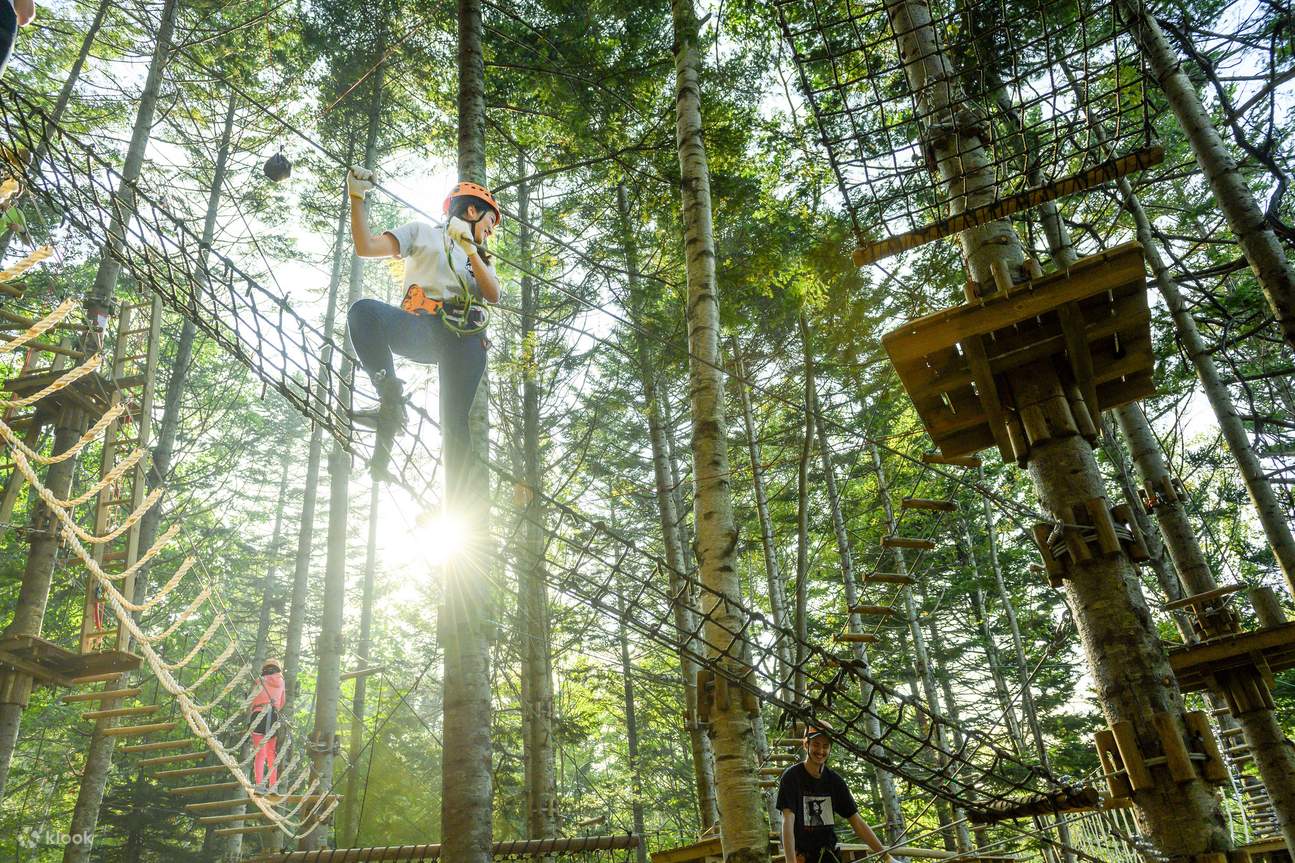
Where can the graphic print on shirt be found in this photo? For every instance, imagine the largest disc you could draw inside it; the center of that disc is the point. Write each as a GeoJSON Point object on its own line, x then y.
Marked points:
{"type": "Point", "coordinates": [818, 811]}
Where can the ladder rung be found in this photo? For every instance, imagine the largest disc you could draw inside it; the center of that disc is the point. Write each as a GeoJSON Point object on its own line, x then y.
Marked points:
{"type": "Point", "coordinates": [907, 542]}
{"type": "Point", "coordinates": [857, 637]}
{"type": "Point", "coordinates": [127, 730]}
{"type": "Point", "coordinates": [203, 789]}
{"type": "Point", "coordinates": [191, 771]}
{"type": "Point", "coordinates": [173, 759]}
{"type": "Point", "coordinates": [217, 805]}
{"type": "Point", "coordinates": [771, 771]}
{"type": "Point", "coordinates": [254, 815]}
{"type": "Point", "coordinates": [97, 678]}
{"type": "Point", "coordinates": [1198, 599]}
{"type": "Point", "coordinates": [923, 503]}
{"type": "Point", "coordinates": [884, 610]}
{"type": "Point", "coordinates": [158, 746]}
{"type": "Point", "coordinates": [114, 712]}
{"type": "Point", "coordinates": [256, 828]}
{"type": "Point", "coordinates": [101, 695]}
{"type": "Point", "coordinates": [955, 460]}
{"type": "Point", "coordinates": [101, 633]}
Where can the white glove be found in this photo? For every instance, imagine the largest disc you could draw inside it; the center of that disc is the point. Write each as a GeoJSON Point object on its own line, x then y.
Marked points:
{"type": "Point", "coordinates": [461, 233]}
{"type": "Point", "coordinates": [360, 181]}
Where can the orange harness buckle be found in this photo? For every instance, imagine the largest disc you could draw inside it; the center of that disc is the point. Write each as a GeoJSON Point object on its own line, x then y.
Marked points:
{"type": "Point", "coordinates": [418, 303]}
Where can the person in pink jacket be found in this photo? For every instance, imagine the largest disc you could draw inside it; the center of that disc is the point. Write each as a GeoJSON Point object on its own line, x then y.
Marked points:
{"type": "Point", "coordinates": [267, 701]}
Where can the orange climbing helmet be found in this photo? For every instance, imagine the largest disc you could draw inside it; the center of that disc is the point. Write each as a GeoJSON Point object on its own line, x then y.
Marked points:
{"type": "Point", "coordinates": [472, 190]}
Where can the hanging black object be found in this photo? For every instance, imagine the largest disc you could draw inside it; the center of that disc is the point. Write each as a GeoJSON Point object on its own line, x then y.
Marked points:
{"type": "Point", "coordinates": [277, 167]}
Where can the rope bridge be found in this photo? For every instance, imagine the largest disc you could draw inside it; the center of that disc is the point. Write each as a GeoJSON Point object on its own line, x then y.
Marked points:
{"type": "Point", "coordinates": [585, 558]}
{"type": "Point", "coordinates": [1054, 94]}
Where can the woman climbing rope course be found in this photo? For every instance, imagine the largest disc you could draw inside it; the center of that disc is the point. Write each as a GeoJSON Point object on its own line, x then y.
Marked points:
{"type": "Point", "coordinates": [267, 701]}
{"type": "Point", "coordinates": [441, 320]}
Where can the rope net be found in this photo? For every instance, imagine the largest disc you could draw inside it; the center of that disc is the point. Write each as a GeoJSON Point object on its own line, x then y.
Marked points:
{"type": "Point", "coordinates": [585, 559]}
{"type": "Point", "coordinates": [1037, 86]}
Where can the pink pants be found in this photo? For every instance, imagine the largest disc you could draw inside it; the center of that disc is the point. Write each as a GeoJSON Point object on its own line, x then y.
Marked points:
{"type": "Point", "coordinates": [265, 751]}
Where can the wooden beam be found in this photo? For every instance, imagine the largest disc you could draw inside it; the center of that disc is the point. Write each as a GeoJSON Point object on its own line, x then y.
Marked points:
{"type": "Point", "coordinates": [872, 251]}
{"type": "Point", "coordinates": [174, 759]}
{"type": "Point", "coordinates": [907, 542]}
{"type": "Point", "coordinates": [101, 695]}
{"type": "Point", "coordinates": [954, 460]}
{"type": "Point", "coordinates": [186, 790]}
{"type": "Point", "coordinates": [158, 745]}
{"type": "Point", "coordinates": [128, 730]}
{"type": "Point", "coordinates": [1198, 599]}
{"type": "Point", "coordinates": [116, 712]}
{"type": "Point", "coordinates": [923, 503]}
{"type": "Point", "coordinates": [191, 771]}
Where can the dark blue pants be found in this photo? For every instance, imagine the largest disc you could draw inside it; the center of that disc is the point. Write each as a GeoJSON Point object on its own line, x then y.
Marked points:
{"type": "Point", "coordinates": [8, 31]}
{"type": "Point", "coordinates": [379, 331]}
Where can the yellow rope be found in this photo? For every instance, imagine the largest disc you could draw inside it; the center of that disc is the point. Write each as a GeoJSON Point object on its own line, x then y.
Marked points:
{"type": "Point", "coordinates": [38, 328]}
{"type": "Point", "coordinates": [109, 478]}
{"type": "Point", "coordinates": [12, 437]}
{"type": "Point", "coordinates": [196, 721]}
{"type": "Point", "coordinates": [26, 264]}
{"type": "Point", "coordinates": [143, 560]}
{"type": "Point", "coordinates": [202, 642]}
{"type": "Point", "coordinates": [184, 615]}
{"type": "Point", "coordinates": [138, 513]}
{"type": "Point", "coordinates": [163, 592]}
{"type": "Point", "coordinates": [63, 382]}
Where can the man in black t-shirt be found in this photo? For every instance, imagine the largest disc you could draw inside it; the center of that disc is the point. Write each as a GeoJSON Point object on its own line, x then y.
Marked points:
{"type": "Point", "coordinates": [810, 797]}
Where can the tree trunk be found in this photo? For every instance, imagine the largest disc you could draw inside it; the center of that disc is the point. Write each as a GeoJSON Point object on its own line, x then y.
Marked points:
{"type": "Point", "coordinates": [98, 762]}
{"type": "Point", "coordinates": [29, 611]}
{"type": "Point", "coordinates": [330, 648]}
{"type": "Point", "coordinates": [802, 518]}
{"type": "Point", "coordinates": [685, 614]}
{"type": "Point", "coordinates": [310, 491]}
{"type": "Point", "coordinates": [1128, 662]}
{"type": "Point", "coordinates": [1273, 272]}
{"type": "Point", "coordinates": [632, 737]}
{"type": "Point", "coordinates": [350, 803]}
{"type": "Point", "coordinates": [533, 599]}
{"type": "Point", "coordinates": [744, 830]}
{"type": "Point", "coordinates": [884, 782]}
{"type": "Point", "coordinates": [1272, 752]}
{"type": "Point", "coordinates": [467, 792]}
{"type": "Point", "coordinates": [773, 578]}
{"type": "Point", "coordinates": [269, 592]}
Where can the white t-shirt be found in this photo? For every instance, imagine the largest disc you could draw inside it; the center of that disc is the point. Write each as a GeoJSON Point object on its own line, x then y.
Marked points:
{"type": "Point", "coordinates": [423, 248]}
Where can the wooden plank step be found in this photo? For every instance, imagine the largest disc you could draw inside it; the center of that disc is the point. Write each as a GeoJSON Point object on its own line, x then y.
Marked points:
{"type": "Point", "coordinates": [174, 759]}
{"type": "Point", "coordinates": [191, 771]}
{"type": "Point", "coordinates": [924, 503]}
{"type": "Point", "coordinates": [1198, 599]}
{"type": "Point", "coordinates": [101, 695]}
{"type": "Point", "coordinates": [361, 672]}
{"type": "Point", "coordinates": [907, 542]}
{"type": "Point", "coordinates": [857, 637]}
{"type": "Point", "coordinates": [203, 789]}
{"type": "Point", "coordinates": [889, 578]}
{"type": "Point", "coordinates": [217, 805]}
{"type": "Point", "coordinates": [130, 730]}
{"type": "Point", "coordinates": [955, 460]}
{"type": "Point", "coordinates": [97, 678]}
{"type": "Point", "coordinates": [882, 610]}
{"type": "Point", "coordinates": [158, 745]}
{"type": "Point", "coordinates": [253, 815]}
{"type": "Point", "coordinates": [115, 712]}
{"type": "Point", "coordinates": [234, 831]}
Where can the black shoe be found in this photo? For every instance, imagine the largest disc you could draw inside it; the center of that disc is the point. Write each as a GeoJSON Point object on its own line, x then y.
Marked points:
{"type": "Point", "coordinates": [389, 414]}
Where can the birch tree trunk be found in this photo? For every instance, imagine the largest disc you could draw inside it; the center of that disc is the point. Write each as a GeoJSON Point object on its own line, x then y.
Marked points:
{"type": "Point", "coordinates": [467, 791]}
{"type": "Point", "coordinates": [632, 737]}
{"type": "Point", "coordinates": [1268, 261]}
{"type": "Point", "coordinates": [533, 600]}
{"type": "Point", "coordinates": [331, 645]}
{"type": "Point", "coordinates": [744, 830]}
{"type": "Point", "coordinates": [1128, 662]}
{"type": "Point", "coordinates": [685, 614]}
{"type": "Point", "coordinates": [773, 578]}
{"type": "Point", "coordinates": [802, 518]}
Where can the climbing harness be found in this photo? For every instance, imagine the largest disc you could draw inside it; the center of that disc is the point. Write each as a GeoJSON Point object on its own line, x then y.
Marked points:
{"type": "Point", "coordinates": [463, 315]}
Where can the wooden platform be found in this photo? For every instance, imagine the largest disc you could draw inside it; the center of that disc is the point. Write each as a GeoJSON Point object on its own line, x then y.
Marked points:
{"type": "Point", "coordinates": [52, 665]}
{"type": "Point", "coordinates": [1195, 664]}
{"type": "Point", "coordinates": [92, 393]}
{"type": "Point", "coordinates": [709, 851]}
{"type": "Point", "coordinates": [1271, 850]}
{"type": "Point", "coordinates": [1093, 320]}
